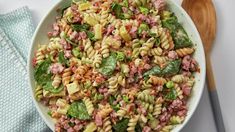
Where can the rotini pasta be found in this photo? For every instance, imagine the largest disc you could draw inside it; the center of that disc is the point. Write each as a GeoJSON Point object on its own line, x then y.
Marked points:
{"type": "Point", "coordinates": [116, 63]}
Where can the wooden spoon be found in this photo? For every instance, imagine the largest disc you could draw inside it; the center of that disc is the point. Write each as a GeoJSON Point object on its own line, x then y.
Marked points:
{"type": "Point", "coordinates": [204, 16]}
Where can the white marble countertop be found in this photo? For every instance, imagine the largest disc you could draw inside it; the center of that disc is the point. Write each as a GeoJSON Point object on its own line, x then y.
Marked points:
{"type": "Point", "coordinates": [223, 60]}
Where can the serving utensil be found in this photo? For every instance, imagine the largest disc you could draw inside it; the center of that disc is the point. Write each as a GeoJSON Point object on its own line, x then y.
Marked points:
{"type": "Point", "coordinates": [204, 16]}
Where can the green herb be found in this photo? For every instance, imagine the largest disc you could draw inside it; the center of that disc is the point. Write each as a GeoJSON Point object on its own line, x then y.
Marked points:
{"type": "Point", "coordinates": [125, 98]}
{"type": "Point", "coordinates": [87, 84]}
{"type": "Point", "coordinates": [63, 35]}
{"type": "Point", "coordinates": [170, 84]}
{"type": "Point", "coordinates": [79, 27]}
{"type": "Point", "coordinates": [90, 35]}
{"type": "Point", "coordinates": [143, 27]}
{"type": "Point", "coordinates": [98, 96]}
{"type": "Point", "coordinates": [154, 71]}
{"type": "Point", "coordinates": [63, 10]}
{"type": "Point", "coordinates": [108, 65]}
{"type": "Point", "coordinates": [120, 56]}
{"type": "Point", "coordinates": [172, 68]}
{"type": "Point", "coordinates": [178, 33]}
{"type": "Point", "coordinates": [62, 59]}
{"type": "Point", "coordinates": [49, 113]}
{"type": "Point", "coordinates": [48, 87]}
{"type": "Point", "coordinates": [144, 10]}
{"type": "Point", "coordinates": [78, 110]}
{"type": "Point", "coordinates": [76, 53]}
{"type": "Point", "coordinates": [41, 74]}
{"type": "Point", "coordinates": [138, 128]}
{"type": "Point", "coordinates": [111, 101]}
{"type": "Point", "coordinates": [125, 3]}
{"type": "Point", "coordinates": [172, 95]}
{"type": "Point", "coordinates": [121, 125]}
{"type": "Point", "coordinates": [117, 9]}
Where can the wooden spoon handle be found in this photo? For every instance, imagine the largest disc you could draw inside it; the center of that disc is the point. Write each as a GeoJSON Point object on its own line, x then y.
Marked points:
{"type": "Point", "coordinates": [209, 74]}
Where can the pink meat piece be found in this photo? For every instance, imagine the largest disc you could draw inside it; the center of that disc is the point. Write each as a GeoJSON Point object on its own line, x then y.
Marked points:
{"type": "Point", "coordinates": [172, 55]}
{"type": "Point", "coordinates": [187, 73]}
{"type": "Point", "coordinates": [147, 66]}
{"type": "Point", "coordinates": [146, 129]}
{"type": "Point", "coordinates": [56, 68]}
{"type": "Point", "coordinates": [186, 63]}
{"type": "Point", "coordinates": [133, 31]}
{"type": "Point", "coordinates": [159, 4]}
{"type": "Point", "coordinates": [70, 130]}
{"type": "Point", "coordinates": [186, 90]}
{"type": "Point", "coordinates": [193, 65]}
{"type": "Point", "coordinates": [68, 53]}
{"type": "Point", "coordinates": [110, 29]}
{"type": "Point", "coordinates": [83, 34]}
{"type": "Point", "coordinates": [74, 35]}
{"type": "Point", "coordinates": [176, 104]}
{"type": "Point", "coordinates": [164, 117]}
{"type": "Point", "coordinates": [98, 120]}
{"type": "Point", "coordinates": [124, 9]}
{"type": "Point", "coordinates": [77, 127]}
{"type": "Point", "coordinates": [65, 44]}
{"type": "Point", "coordinates": [141, 17]}
{"type": "Point", "coordinates": [182, 113]}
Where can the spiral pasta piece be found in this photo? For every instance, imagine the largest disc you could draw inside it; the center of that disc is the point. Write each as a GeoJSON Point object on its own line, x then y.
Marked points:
{"type": "Point", "coordinates": [113, 84]}
{"type": "Point", "coordinates": [146, 84]}
{"type": "Point", "coordinates": [89, 105]}
{"type": "Point", "coordinates": [148, 107]}
{"type": "Point", "coordinates": [104, 112]}
{"type": "Point", "coordinates": [107, 127]}
{"type": "Point", "coordinates": [132, 123]}
{"type": "Point", "coordinates": [157, 107]}
{"type": "Point", "coordinates": [40, 55]}
{"type": "Point", "coordinates": [176, 120]}
{"type": "Point", "coordinates": [105, 48]}
{"type": "Point", "coordinates": [121, 113]}
{"type": "Point", "coordinates": [90, 52]}
{"type": "Point", "coordinates": [190, 82]}
{"type": "Point", "coordinates": [179, 78]}
{"type": "Point", "coordinates": [66, 76]}
{"type": "Point", "coordinates": [97, 60]}
{"type": "Point", "coordinates": [57, 80]}
{"type": "Point", "coordinates": [164, 39]}
{"type": "Point", "coordinates": [179, 91]}
{"type": "Point", "coordinates": [160, 60]}
{"type": "Point", "coordinates": [54, 44]}
{"type": "Point", "coordinates": [121, 80]}
{"type": "Point", "coordinates": [145, 96]}
{"type": "Point", "coordinates": [157, 80]}
{"type": "Point", "coordinates": [184, 51]}
{"type": "Point", "coordinates": [147, 46]}
{"type": "Point", "coordinates": [156, 51]}
{"type": "Point", "coordinates": [38, 93]}
{"type": "Point", "coordinates": [167, 128]}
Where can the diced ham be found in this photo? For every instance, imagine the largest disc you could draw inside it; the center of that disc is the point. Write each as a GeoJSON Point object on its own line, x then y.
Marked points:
{"type": "Point", "coordinates": [186, 90]}
{"type": "Point", "coordinates": [141, 17]}
{"type": "Point", "coordinates": [56, 68]}
{"type": "Point", "coordinates": [34, 61]}
{"type": "Point", "coordinates": [83, 35]}
{"type": "Point", "coordinates": [193, 65]}
{"type": "Point", "coordinates": [98, 120]}
{"type": "Point", "coordinates": [133, 31]}
{"type": "Point", "coordinates": [186, 62]}
{"type": "Point", "coordinates": [147, 66]}
{"type": "Point", "coordinates": [172, 55]}
{"type": "Point", "coordinates": [65, 44]}
{"type": "Point", "coordinates": [67, 53]}
{"type": "Point", "coordinates": [110, 29]}
{"type": "Point", "coordinates": [176, 104]}
{"type": "Point", "coordinates": [159, 4]}
{"type": "Point", "coordinates": [182, 112]}
{"type": "Point", "coordinates": [124, 9]}
{"type": "Point", "coordinates": [146, 129]}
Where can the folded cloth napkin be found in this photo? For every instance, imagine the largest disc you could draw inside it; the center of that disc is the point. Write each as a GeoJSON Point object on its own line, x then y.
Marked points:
{"type": "Point", "coordinates": [17, 111]}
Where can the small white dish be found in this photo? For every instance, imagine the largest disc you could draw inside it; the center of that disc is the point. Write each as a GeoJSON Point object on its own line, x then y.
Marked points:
{"type": "Point", "coordinates": [40, 37]}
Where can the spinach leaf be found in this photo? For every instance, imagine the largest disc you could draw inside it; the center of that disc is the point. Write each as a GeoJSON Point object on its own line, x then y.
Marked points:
{"type": "Point", "coordinates": [172, 68]}
{"type": "Point", "coordinates": [143, 27]}
{"type": "Point", "coordinates": [48, 87]}
{"type": "Point", "coordinates": [121, 125]}
{"type": "Point", "coordinates": [154, 71]}
{"type": "Point", "coordinates": [172, 95]}
{"type": "Point", "coordinates": [79, 27]}
{"type": "Point", "coordinates": [138, 128]}
{"type": "Point", "coordinates": [117, 9]}
{"type": "Point", "coordinates": [41, 74]}
{"type": "Point", "coordinates": [108, 65]}
{"type": "Point", "coordinates": [91, 35]}
{"type": "Point", "coordinates": [120, 56]}
{"type": "Point", "coordinates": [78, 110]}
{"type": "Point", "coordinates": [62, 59]}
{"type": "Point", "coordinates": [111, 100]}
{"type": "Point", "coordinates": [178, 33]}
{"type": "Point", "coordinates": [144, 10]}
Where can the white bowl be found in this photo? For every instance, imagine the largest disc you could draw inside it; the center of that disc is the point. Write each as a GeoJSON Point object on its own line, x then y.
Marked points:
{"type": "Point", "coordinates": [40, 37]}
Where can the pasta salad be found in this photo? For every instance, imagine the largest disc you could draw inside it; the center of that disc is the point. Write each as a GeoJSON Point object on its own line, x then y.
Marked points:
{"type": "Point", "coordinates": [115, 65]}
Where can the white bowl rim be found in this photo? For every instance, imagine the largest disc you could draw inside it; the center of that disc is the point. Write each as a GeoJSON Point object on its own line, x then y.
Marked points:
{"type": "Point", "coordinates": [201, 66]}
